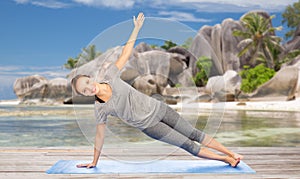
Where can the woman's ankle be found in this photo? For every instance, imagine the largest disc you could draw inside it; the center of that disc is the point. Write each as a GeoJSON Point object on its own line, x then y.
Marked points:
{"type": "Point", "coordinates": [231, 161]}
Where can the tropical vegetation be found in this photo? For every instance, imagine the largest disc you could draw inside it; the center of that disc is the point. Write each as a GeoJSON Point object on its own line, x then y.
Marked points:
{"type": "Point", "coordinates": [88, 54]}
{"type": "Point", "coordinates": [259, 40]}
{"type": "Point", "coordinates": [254, 77]}
{"type": "Point", "coordinates": [204, 65]}
{"type": "Point", "coordinates": [168, 44]}
{"type": "Point", "coordinates": [291, 16]}
{"type": "Point", "coordinates": [263, 48]}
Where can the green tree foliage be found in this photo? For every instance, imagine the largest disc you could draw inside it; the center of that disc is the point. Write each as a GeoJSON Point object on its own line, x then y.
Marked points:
{"type": "Point", "coordinates": [168, 44]}
{"type": "Point", "coordinates": [259, 39]}
{"type": "Point", "coordinates": [71, 63]}
{"type": "Point", "coordinates": [254, 77]}
{"type": "Point", "coordinates": [153, 46]}
{"type": "Point", "coordinates": [204, 65]}
{"type": "Point", "coordinates": [287, 58]}
{"type": "Point", "coordinates": [291, 16]}
{"type": "Point", "coordinates": [88, 54]}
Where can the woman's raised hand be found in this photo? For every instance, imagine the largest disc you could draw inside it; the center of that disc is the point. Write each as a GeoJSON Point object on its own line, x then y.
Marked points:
{"type": "Point", "coordinates": [138, 22]}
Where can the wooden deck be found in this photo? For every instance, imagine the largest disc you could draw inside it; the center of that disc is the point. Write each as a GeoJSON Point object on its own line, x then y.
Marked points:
{"type": "Point", "coordinates": [268, 162]}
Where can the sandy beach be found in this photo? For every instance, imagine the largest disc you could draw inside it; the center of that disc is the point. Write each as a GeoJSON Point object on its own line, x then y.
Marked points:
{"type": "Point", "coordinates": [293, 105]}
{"type": "Point", "coordinates": [262, 105]}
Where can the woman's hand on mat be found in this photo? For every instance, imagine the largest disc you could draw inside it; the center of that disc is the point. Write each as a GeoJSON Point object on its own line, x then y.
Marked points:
{"type": "Point", "coordinates": [87, 165]}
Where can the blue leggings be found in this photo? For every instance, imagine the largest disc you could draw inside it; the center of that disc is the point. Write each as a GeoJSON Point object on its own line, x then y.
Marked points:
{"type": "Point", "coordinates": [175, 130]}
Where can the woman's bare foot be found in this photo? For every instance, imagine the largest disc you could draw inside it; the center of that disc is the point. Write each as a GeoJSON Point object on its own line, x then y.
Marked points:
{"type": "Point", "coordinates": [236, 156]}
{"type": "Point", "coordinates": [233, 162]}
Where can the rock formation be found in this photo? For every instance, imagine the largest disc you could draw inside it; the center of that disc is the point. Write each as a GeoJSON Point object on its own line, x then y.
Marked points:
{"type": "Point", "coordinates": [294, 43]}
{"type": "Point", "coordinates": [37, 89]}
{"type": "Point", "coordinates": [224, 88]}
{"type": "Point", "coordinates": [218, 43]}
{"type": "Point", "coordinates": [151, 71]}
{"type": "Point", "coordinates": [31, 87]}
{"type": "Point", "coordinates": [283, 86]}
{"type": "Point", "coordinates": [147, 70]}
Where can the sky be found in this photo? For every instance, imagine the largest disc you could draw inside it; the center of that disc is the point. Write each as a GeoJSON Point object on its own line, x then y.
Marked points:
{"type": "Point", "coordinates": [38, 36]}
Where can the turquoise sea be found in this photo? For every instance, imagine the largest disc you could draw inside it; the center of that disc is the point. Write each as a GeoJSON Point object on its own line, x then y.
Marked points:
{"type": "Point", "coordinates": [55, 126]}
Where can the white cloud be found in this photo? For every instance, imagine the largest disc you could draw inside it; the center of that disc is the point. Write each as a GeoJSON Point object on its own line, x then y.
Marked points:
{"type": "Point", "coordinates": [21, 1]}
{"type": "Point", "coordinates": [117, 4]}
{"type": "Point", "coordinates": [20, 71]}
{"type": "Point", "coordinates": [8, 68]}
{"type": "Point", "coordinates": [53, 4]}
{"type": "Point", "coordinates": [198, 5]}
{"type": "Point", "coordinates": [181, 16]}
{"type": "Point", "coordinates": [225, 6]}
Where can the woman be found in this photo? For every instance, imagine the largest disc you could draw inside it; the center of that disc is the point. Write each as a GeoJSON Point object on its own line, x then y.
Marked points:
{"type": "Point", "coordinates": [154, 118]}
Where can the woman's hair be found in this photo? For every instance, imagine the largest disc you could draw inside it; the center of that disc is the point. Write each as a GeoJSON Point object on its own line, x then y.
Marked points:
{"type": "Point", "coordinates": [74, 81]}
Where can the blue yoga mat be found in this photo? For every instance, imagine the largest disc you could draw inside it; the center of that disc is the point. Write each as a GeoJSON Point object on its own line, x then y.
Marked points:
{"type": "Point", "coordinates": [159, 166]}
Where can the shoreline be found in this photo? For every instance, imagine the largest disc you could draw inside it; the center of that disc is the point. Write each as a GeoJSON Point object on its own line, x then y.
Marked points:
{"type": "Point", "coordinates": [10, 102]}
{"type": "Point", "coordinates": [288, 106]}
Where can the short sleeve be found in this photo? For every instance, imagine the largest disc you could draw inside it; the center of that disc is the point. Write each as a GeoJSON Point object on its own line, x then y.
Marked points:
{"type": "Point", "coordinates": [100, 115]}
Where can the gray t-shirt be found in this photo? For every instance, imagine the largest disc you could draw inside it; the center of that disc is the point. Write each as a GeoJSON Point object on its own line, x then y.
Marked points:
{"type": "Point", "coordinates": [128, 104]}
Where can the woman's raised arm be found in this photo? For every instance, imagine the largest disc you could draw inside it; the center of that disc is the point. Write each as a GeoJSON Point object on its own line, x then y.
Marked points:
{"type": "Point", "coordinates": [127, 50]}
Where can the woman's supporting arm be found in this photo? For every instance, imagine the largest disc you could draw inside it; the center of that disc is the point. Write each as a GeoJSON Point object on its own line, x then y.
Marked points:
{"type": "Point", "coordinates": [99, 141]}
{"type": "Point", "coordinates": [127, 50]}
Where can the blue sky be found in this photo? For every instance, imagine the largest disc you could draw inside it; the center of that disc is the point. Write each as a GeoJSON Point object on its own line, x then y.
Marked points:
{"type": "Point", "coordinates": [38, 36]}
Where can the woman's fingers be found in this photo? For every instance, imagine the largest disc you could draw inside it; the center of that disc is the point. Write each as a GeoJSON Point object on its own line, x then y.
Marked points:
{"type": "Point", "coordinates": [138, 22]}
{"type": "Point", "coordinates": [87, 165]}
{"type": "Point", "coordinates": [81, 165]}
{"type": "Point", "coordinates": [141, 17]}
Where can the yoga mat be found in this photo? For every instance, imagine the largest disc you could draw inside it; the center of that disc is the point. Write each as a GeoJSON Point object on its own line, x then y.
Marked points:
{"type": "Point", "coordinates": [159, 166]}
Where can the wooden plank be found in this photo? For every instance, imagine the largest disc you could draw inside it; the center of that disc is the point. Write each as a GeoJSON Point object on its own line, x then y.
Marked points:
{"type": "Point", "coordinates": [269, 162]}
{"type": "Point", "coordinates": [126, 176]}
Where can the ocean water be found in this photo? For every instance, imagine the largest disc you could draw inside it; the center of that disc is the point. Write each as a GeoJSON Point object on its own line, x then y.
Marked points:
{"type": "Point", "coordinates": [55, 126]}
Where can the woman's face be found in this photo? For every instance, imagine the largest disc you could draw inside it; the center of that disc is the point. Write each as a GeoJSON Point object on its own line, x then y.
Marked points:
{"type": "Point", "coordinates": [86, 86]}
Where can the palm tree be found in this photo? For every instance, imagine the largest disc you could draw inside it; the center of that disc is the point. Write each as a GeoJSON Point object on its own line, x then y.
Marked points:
{"type": "Point", "coordinates": [259, 39]}
{"type": "Point", "coordinates": [88, 54]}
{"type": "Point", "coordinates": [291, 16]}
{"type": "Point", "coordinates": [71, 63]}
{"type": "Point", "coordinates": [168, 44]}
